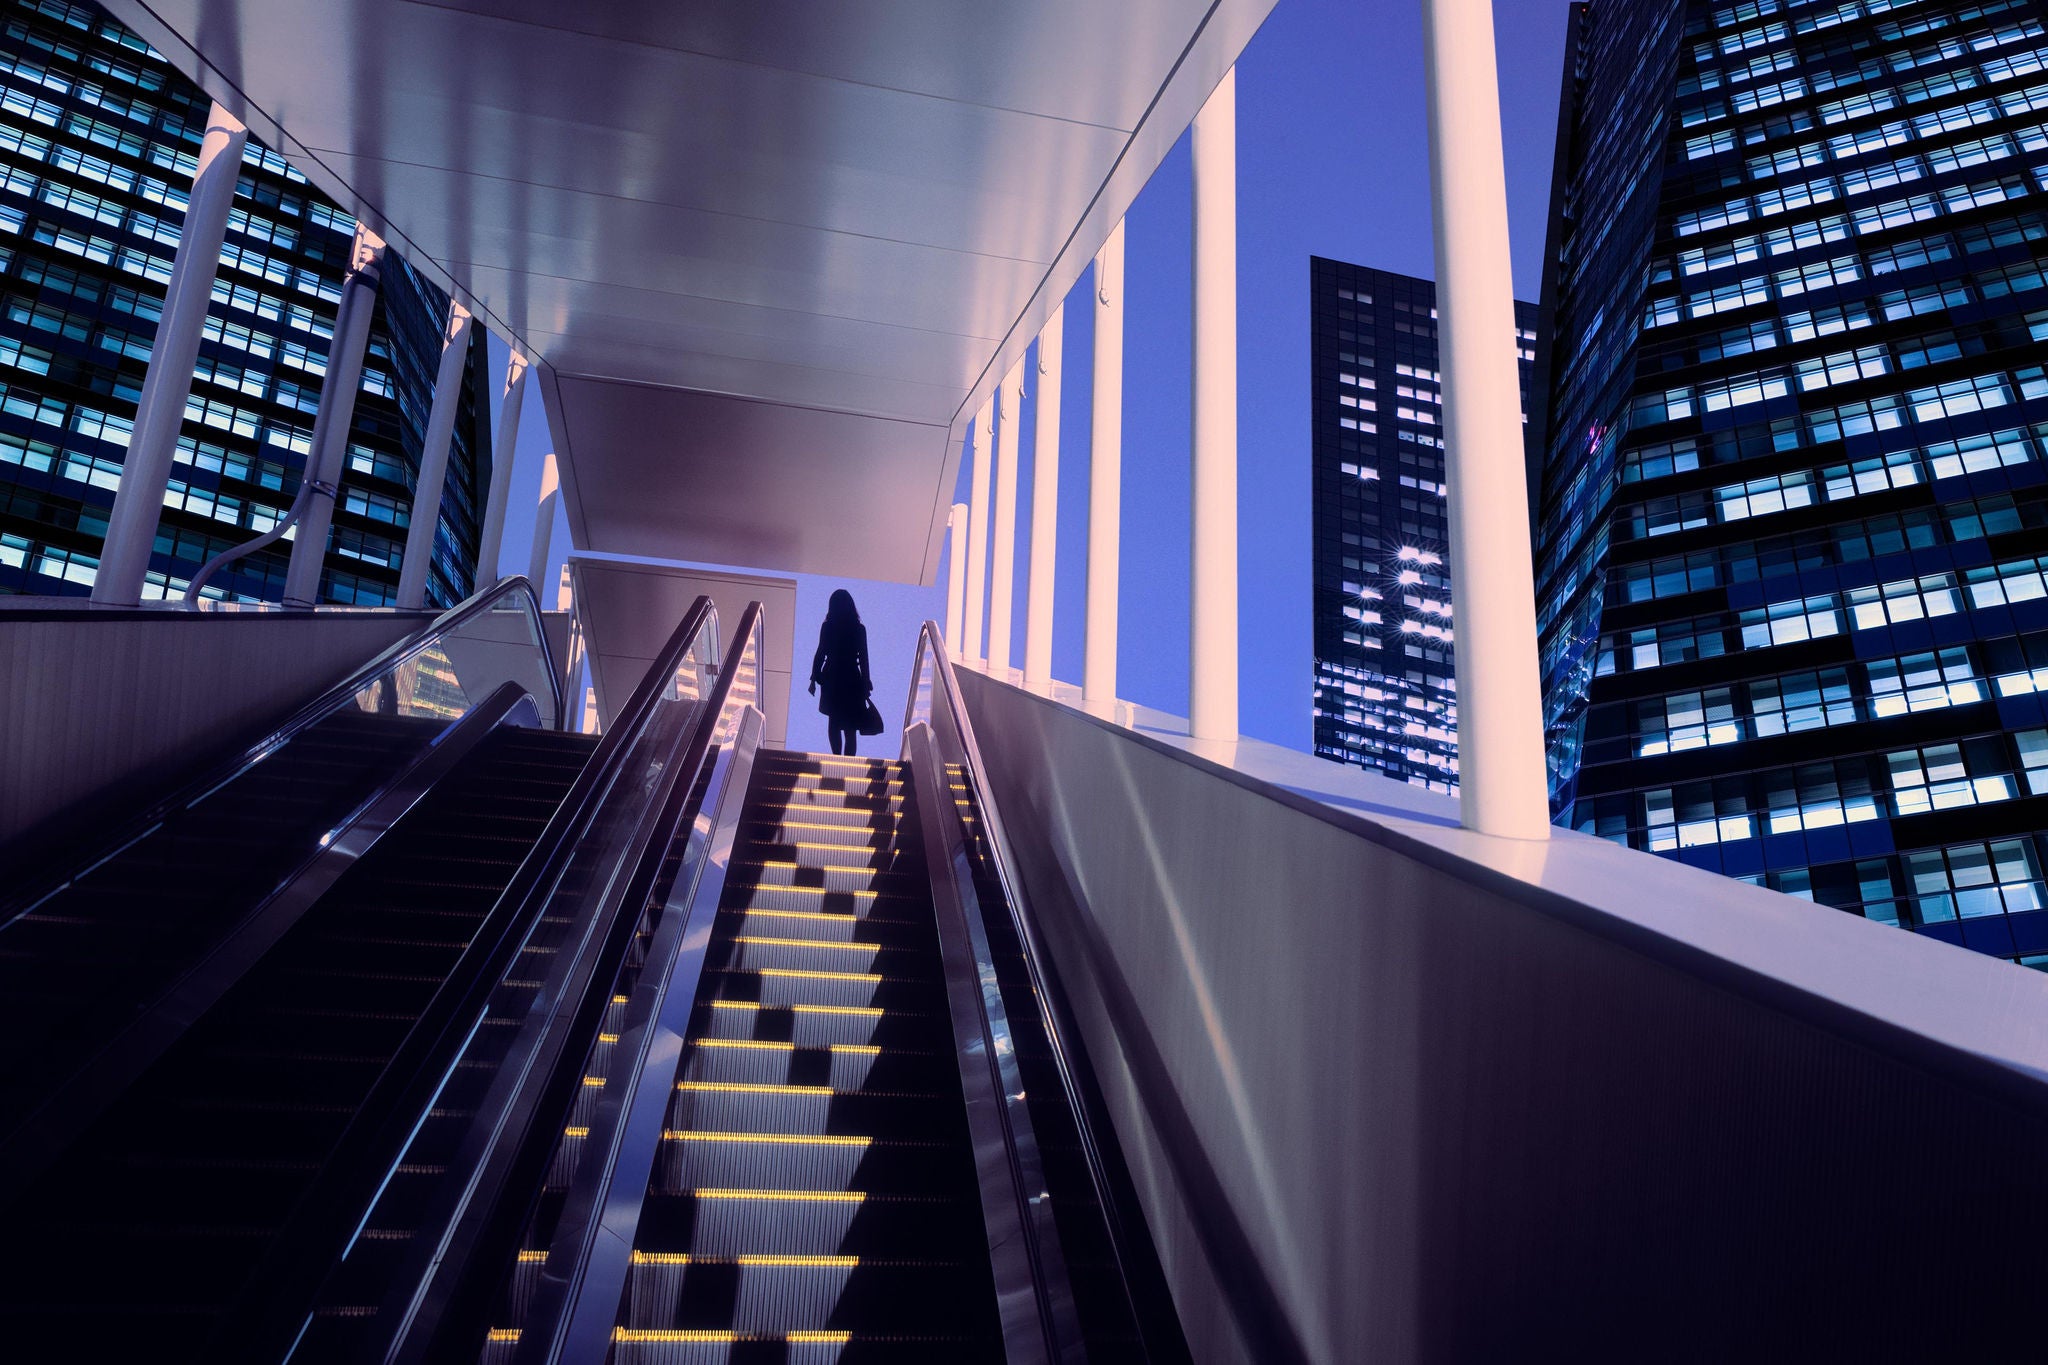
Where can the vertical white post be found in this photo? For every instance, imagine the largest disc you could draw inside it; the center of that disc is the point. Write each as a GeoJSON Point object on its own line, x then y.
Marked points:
{"type": "Point", "coordinates": [544, 529]}
{"type": "Point", "coordinates": [977, 534]}
{"type": "Point", "coordinates": [1212, 620]}
{"type": "Point", "coordinates": [1045, 505]}
{"type": "Point", "coordinates": [956, 575]}
{"type": "Point", "coordinates": [504, 448]}
{"type": "Point", "coordinates": [433, 476]}
{"type": "Point", "coordinates": [1003, 572]}
{"type": "Point", "coordinates": [1501, 787]}
{"type": "Point", "coordinates": [1105, 478]}
{"type": "Point", "coordinates": [337, 411]}
{"type": "Point", "coordinates": [160, 412]}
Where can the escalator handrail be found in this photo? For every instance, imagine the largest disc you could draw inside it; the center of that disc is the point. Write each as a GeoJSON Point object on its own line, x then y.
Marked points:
{"type": "Point", "coordinates": [604, 1197]}
{"type": "Point", "coordinates": [1126, 1247]}
{"type": "Point", "coordinates": [274, 1306]}
{"type": "Point", "coordinates": [335, 698]}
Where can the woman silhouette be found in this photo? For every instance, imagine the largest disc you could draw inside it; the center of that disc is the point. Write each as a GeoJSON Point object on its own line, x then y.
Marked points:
{"type": "Point", "coordinates": [841, 664]}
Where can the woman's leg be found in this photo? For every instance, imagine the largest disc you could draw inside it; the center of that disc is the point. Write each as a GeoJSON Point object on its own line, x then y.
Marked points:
{"type": "Point", "coordinates": [852, 740]}
{"type": "Point", "coordinates": [835, 733]}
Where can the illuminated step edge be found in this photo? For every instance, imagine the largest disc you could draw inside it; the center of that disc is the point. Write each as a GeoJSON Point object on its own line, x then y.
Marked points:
{"type": "Point", "coordinates": [783, 1139]}
{"type": "Point", "coordinates": [747, 1259]}
{"type": "Point", "coordinates": [680, 1336]}
{"type": "Point", "coordinates": [787, 1196]}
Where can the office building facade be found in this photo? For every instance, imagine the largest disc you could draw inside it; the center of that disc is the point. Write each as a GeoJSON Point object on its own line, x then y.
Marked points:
{"type": "Point", "coordinates": [1384, 691]}
{"type": "Point", "coordinates": [1793, 505]}
{"type": "Point", "coordinates": [98, 136]}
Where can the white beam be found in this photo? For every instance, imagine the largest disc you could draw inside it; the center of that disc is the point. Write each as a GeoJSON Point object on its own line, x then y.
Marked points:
{"type": "Point", "coordinates": [956, 574]}
{"type": "Point", "coordinates": [1003, 571]}
{"type": "Point", "coordinates": [970, 646]}
{"type": "Point", "coordinates": [160, 411]}
{"type": "Point", "coordinates": [544, 532]}
{"type": "Point", "coordinates": [504, 450]}
{"type": "Point", "coordinates": [1212, 622]}
{"type": "Point", "coordinates": [1502, 788]}
{"type": "Point", "coordinates": [338, 390]}
{"type": "Point", "coordinates": [1045, 505]}
{"type": "Point", "coordinates": [1105, 478]}
{"type": "Point", "coordinates": [414, 569]}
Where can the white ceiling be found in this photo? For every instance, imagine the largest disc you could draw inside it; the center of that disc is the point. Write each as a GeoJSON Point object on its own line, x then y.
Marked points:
{"type": "Point", "coordinates": [771, 254]}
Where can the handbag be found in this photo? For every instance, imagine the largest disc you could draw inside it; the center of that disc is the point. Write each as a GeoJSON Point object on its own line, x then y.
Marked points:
{"type": "Point", "coordinates": [871, 721]}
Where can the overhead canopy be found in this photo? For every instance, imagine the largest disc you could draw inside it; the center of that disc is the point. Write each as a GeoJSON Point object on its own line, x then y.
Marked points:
{"type": "Point", "coordinates": [771, 254]}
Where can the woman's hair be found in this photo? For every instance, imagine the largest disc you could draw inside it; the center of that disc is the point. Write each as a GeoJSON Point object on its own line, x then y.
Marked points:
{"type": "Point", "coordinates": [840, 610]}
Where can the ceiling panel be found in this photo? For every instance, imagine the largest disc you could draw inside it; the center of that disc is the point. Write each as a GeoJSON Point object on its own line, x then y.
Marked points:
{"type": "Point", "coordinates": [1094, 61]}
{"type": "Point", "coordinates": [691, 475]}
{"type": "Point", "coordinates": [808, 237]}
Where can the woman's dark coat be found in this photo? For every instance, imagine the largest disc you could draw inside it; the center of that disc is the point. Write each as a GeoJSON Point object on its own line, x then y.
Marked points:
{"type": "Point", "coordinates": [840, 668]}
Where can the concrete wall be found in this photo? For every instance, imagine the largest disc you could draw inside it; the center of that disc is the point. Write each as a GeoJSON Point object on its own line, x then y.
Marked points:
{"type": "Point", "coordinates": [1394, 1092]}
{"type": "Point", "coordinates": [629, 610]}
{"type": "Point", "coordinates": [93, 700]}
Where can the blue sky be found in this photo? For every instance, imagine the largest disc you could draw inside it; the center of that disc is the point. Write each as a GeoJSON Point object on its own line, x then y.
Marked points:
{"type": "Point", "coordinates": [1332, 161]}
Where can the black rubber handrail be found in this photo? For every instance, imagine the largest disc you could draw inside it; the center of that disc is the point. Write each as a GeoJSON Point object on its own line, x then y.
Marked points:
{"type": "Point", "coordinates": [1131, 1248]}
{"type": "Point", "coordinates": [446, 1320]}
{"type": "Point", "coordinates": [274, 1307]}
{"type": "Point", "coordinates": [342, 694]}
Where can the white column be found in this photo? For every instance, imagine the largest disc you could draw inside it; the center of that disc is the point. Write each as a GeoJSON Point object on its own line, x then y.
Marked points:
{"type": "Point", "coordinates": [337, 411]}
{"type": "Point", "coordinates": [1502, 788]}
{"type": "Point", "coordinates": [970, 647]}
{"type": "Point", "coordinates": [160, 412]}
{"type": "Point", "coordinates": [504, 448]}
{"type": "Point", "coordinates": [1045, 505]}
{"type": "Point", "coordinates": [1003, 571]}
{"type": "Point", "coordinates": [544, 529]}
{"type": "Point", "coordinates": [1105, 477]}
{"type": "Point", "coordinates": [433, 477]}
{"type": "Point", "coordinates": [1212, 618]}
{"type": "Point", "coordinates": [956, 575]}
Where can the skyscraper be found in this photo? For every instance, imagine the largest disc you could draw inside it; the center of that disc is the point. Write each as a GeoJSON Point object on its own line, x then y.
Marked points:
{"type": "Point", "coordinates": [97, 142]}
{"type": "Point", "coordinates": [1383, 629]}
{"type": "Point", "coordinates": [1793, 510]}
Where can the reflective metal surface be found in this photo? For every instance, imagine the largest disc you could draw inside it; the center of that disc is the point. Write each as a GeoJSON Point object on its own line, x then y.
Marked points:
{"type": "Point", "coordinates": [975, 887]}
{"type": "Point", "coordinates": [854, 214]}
{"type": "Point", "coordinates": [577, 1298]}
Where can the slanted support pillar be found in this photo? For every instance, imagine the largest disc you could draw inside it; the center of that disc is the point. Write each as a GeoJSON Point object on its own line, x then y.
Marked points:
{"type": "Point", "coordinates": [1502, 787]}
{"type": "Point", "coordinates": [956, 575]}
{"type": "Point", "coordinates": [160, 412]}
{"type": "Point", "coordinates": [1105, 478]}
{"type": "Point", "coordinates": [1212, 622]}
{"type": "Point", "coordinates": [504, 449]}
{"type": "Point", "coordinates": [414, 569]}
{"type": "Point", "coordinates": [970, 647]}
{"type": "Point", "coordinates": [337, 412]}
{"type": "Point", "coordinates": [1045, 506]}
{"type": "Point", "coordinates": [544, 532]}
{"type": "Point", "coordinates": [1003, 571]}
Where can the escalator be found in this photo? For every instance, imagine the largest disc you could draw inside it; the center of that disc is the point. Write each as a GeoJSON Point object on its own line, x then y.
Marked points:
{"type": "Point", "coordinates": [657, 1048]}
{"type": "Point", "coordinates": [132, 922]}
{"type": "Point", "coordinates": [814, 1191]}
{"type": "Point", "coordinates": [827, 1116]}
{"type": "Point", "coordinates": [149, 1226]}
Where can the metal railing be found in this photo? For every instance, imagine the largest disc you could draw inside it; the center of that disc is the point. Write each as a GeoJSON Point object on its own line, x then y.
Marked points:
{"type": "Point", "coordinates": [586, 849]}
{"type": "Point", "coordinates": [574, 1304]}
{"type": "Point", "coordinates": [974, 877]}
